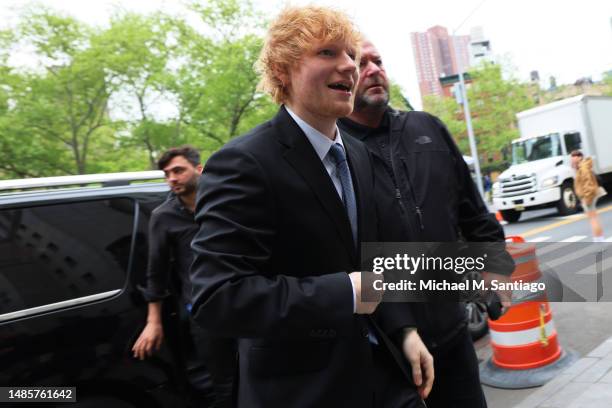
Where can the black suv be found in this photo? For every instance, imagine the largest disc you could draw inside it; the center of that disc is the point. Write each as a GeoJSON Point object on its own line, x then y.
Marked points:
{"type": "Point", "coordinates": [70, 310]}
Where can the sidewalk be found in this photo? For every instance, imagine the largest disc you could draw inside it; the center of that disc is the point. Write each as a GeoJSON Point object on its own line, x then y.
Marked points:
{"type": "Point", "coordinates": [587, 383]}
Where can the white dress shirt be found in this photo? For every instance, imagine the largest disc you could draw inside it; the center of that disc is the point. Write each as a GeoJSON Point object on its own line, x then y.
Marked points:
{"type": "Point", "coordinates": [322, 144]}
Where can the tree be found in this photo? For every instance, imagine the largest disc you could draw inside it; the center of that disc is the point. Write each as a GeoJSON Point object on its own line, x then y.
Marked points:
{"type": "Point", "coordinates": [126, 92]}
{"type": "Point", "coordinates": [451, 114]}
{"type": "Point", "coordinates": [24, 129]}
{"type": "Point", "coordinates": [607, 82]}
{"type": "Point", "coordinates": [138, 53]}
{"type": "Point", "coordinates": [217, 87]}
{"type": "Point", "coordinates": [54, 113]}
{"type": "Point", "coordinates": [494, 103]}
{"type": "Point", "coordinates": [397, 98]}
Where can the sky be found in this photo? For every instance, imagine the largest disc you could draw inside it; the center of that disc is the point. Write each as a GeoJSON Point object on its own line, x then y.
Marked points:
{"type": "Point", "coordinates": [567, 39]}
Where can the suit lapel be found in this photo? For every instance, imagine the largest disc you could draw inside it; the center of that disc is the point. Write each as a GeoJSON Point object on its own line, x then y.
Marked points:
{"type": "Point", "coordinates": [302, 157]}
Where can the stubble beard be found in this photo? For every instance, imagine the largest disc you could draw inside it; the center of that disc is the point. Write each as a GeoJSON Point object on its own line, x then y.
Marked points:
{"type": "Point", "coordinates": [365, 102]}
{"type": "Point", "coordinates": [189, 187]}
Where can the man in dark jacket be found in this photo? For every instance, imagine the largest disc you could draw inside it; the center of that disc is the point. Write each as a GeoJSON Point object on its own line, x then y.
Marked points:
{"type": "Point", "coordinates": [425, 194]}
{"type": "Point", "coordinates": [209, 360]}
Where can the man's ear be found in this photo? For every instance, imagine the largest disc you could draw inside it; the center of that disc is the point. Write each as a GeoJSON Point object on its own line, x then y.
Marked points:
{"type": "Point", "coordinates": [199, 168]}
{"type": "Point", "coordinates": [282, 74]}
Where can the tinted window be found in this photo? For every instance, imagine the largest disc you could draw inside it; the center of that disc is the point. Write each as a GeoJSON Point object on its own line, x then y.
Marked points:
{"type": "Point", "coordinates": [59, 252]}
{"type": "Point", "coordinates": [572, 142]}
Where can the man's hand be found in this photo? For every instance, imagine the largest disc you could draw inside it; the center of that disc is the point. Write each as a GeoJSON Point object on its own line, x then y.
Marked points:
{"type": "Point", "coordinates": [149, 340]}
{"type": "Point", "coordinates": [420, 360]}
{"type": "Point", "coordinates": [505, 296]}
{"type": "Point", "coordinates": [374, 296]}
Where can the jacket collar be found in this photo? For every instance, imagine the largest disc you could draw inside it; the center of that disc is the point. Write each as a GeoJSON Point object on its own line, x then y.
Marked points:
{"type": "Point", "coordinates": [362, 132]}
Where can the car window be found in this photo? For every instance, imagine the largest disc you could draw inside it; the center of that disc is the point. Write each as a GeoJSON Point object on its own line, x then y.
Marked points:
{"type": "Point", "coordinates": [54, 253]}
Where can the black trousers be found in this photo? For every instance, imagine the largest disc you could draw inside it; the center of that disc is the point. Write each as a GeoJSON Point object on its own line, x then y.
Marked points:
{"type": "Point", "coordinates": [457, 379]}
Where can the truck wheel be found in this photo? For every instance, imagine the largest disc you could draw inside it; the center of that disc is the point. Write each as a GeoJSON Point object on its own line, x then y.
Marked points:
{"type": "Point", "coordinates": [568, 204]}
{"type": "Point", "coordinates": [510, 215]}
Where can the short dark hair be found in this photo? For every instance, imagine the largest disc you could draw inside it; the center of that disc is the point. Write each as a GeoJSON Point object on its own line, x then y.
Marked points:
{"type": "Point", "coordinates": [577, 153]}
{"type": "Point", "coordinates": [190, 153]}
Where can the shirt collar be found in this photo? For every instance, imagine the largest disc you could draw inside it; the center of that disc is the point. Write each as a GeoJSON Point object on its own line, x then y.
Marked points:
{"type": "Point", "coordinates": [177, 203]}
{"type": "Point", "coordinates": [318, 140]}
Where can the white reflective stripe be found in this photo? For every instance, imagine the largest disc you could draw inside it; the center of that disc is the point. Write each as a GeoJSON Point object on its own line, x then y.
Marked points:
{"type": "Point", "coordinates": [575, 238]}
{"type": "Point", "coordinates": [524, 259]}
{"type": "Point", "coordinates": [539, 239]}
{"type": "Point", "coordinates": [521, 337]}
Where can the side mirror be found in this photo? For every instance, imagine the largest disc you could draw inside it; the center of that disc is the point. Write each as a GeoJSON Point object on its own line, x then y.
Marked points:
{"type": "Point", "coordinates": [505, 151]}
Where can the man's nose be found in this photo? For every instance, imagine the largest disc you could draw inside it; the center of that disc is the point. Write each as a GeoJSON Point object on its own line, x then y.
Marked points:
{"type": "Point", "coordinates": [370, 69]}
{"type": "Point", "coordinates": [347, 63]}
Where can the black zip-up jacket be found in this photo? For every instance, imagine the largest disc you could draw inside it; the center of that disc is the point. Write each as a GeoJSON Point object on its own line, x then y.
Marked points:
{"type": "Point", "coordinates": [425, 194]}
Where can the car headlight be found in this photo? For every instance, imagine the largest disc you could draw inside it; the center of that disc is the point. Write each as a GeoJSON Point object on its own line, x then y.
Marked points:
{"type": "Point", "coordinates": [549, 182]}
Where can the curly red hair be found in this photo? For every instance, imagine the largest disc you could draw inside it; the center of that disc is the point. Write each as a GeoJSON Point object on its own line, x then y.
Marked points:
{"type": "Point", "coordinates": [292, 34]}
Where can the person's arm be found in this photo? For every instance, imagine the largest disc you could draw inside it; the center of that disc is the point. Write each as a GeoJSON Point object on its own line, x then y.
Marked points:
{"type": "Point", "coordinates": [477, 224]}
{"type": "Point", "coordinates": [420, 359]}
{"type": "Point", "coordinates": [398, 322]}
{"type": "Point", "coordinates": [152, 335]}
{"type": "Point", "coordinates": [158, 265]}
{"type": "Point", "coordinates": [156, 290]}
{"type": "Point", "coordinates": [234, 294]}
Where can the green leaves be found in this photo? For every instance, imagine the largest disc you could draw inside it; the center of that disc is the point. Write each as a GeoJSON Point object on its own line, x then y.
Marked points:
{"type": "Point", "coordinates": [494, 102]}
{"type": "Point", "coordinates": [397, 98]}
{"type": "Point", "coordinates": [111, 99]}
{"type": "Point", "coordinates": [607, 82]}
{"type": "Point", "coordinates": [52, 112]}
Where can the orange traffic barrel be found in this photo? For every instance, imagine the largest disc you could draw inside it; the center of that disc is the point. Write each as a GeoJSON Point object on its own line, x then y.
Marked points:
{"type": "Point", "coordinates": [524, 341]}
{"type": "Point", "coordinates": [525, 337]}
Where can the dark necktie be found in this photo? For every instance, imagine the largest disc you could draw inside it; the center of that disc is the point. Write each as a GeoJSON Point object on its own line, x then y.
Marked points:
{"type": "Point", "coordinates": [348, 197]}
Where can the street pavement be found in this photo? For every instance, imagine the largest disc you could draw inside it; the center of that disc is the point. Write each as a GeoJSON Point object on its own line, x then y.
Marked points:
{"type": "Point", "coordinates": [547, 226]}
{"type": "Point", "coordinates": [587, 383]}
{"type": "Point", "coordinates": [564, 245]}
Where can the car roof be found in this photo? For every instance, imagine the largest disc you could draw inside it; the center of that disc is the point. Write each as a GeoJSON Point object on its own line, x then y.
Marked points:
{"type": "Point", "coordinates": [70, 194]}
{"type": "Point", "coordinates": [88, 186]}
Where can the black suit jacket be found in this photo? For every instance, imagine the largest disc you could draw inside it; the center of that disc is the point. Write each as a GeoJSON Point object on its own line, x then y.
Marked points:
{"type": "Point", "coordinates": [271, 261]}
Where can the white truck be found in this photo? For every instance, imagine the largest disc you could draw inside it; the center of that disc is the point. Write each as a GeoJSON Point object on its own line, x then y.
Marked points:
{"type": "Point", "coordinates": [540, 175]}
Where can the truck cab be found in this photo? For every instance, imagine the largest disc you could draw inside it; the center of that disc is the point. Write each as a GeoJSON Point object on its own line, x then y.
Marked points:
{"type": "Point", "coordinates": [540, 176]}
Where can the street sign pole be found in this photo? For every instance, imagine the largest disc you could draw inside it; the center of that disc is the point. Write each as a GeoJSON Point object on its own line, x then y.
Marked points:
{"type": "Point", "coordinates": [466, 107]}
{"type": "Point", "coordinates": [468, 121]}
